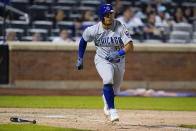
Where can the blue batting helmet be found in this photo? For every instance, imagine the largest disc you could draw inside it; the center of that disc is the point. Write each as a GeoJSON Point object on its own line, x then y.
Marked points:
{"type": "Point", "coordinates": [105, 9]}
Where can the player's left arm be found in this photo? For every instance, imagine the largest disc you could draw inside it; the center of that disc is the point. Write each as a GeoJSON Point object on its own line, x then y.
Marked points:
{"type": "Point", "coordinates": [127, 40]}
{"type": "Point", "coordinates": [128, 47]}
{"type": "Point", "coordinates": [117, 54]}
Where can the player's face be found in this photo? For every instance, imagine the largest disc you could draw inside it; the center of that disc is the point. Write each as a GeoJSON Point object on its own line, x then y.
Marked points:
{"type": "Point", "coordinates": [108, 18]}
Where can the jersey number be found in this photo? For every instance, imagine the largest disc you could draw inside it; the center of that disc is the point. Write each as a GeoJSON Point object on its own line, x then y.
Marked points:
{"type": "Point", "coordinates": [121, 46]}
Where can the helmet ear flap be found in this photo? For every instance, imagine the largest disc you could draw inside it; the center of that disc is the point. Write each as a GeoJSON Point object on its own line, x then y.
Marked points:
{"type": "Point", "coordinates": [102, 18]}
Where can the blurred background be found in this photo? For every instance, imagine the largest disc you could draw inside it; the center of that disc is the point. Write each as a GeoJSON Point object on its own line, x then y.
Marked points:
{"type": "Point", "coordinates": [171, 21]}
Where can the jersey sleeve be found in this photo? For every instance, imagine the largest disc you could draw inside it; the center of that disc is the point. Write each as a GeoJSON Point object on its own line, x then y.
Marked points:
{"type": "Point", "coordinates": [125, 35]}
{"type": "Point", "coordinates": [88, 34]}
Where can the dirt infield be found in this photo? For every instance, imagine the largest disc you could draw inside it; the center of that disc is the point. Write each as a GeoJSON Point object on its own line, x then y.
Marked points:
{"type": "Point", "coordinates": [130, 120]}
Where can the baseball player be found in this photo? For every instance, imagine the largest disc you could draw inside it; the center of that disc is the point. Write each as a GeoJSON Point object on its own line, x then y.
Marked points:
{"type": "Point", "coordinates": [112, 41]}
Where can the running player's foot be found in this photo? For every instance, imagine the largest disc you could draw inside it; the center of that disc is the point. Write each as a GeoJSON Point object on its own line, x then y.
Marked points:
{"type": "Point", "coordinates": [105, 109]}
{"type": "Point", "coordinates": [114, 115]}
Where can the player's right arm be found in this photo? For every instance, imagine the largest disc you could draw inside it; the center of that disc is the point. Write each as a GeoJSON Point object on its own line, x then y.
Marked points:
{"type": "Point", "coordinates": [82, 48]}
{"type": "Point", "coordinates": [87, 36]}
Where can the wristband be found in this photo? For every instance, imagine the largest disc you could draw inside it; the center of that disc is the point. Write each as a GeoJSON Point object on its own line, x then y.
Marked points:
{"type": "Point", "coordinates": [121, 52]}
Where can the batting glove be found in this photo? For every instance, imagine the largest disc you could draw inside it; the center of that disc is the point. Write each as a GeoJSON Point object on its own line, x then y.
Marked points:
{"type": "Point", "coordinates": [79, 64]}
{"type": "Point", "coordinates": [113, 57]}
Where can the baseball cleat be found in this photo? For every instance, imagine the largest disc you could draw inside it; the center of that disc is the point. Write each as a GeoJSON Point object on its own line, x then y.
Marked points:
{"type": "Point", "coordinates": [114, 115]}
{"type": "Point", "coordinates": [105, 109]}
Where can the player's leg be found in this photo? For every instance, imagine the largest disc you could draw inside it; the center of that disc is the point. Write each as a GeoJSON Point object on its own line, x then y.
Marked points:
{"type": "Point", "coordinates": [106, 71]}
{"type": "Point", "coordinates": [106, 108]}
{"type": "Point", "coordinates": [108, 92]}
{"type": "Point", "coordinates": [109, 95]}
{"type": "Point", "coordinates": [118, 77]}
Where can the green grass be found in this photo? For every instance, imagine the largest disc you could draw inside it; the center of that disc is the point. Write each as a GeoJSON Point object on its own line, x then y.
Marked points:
{"type": "Point", "coordinates": [188, 126]}
{"type": "Point", "coordinates": [95, 102]}
{"type": "Point", "coordinates": [30, 127]}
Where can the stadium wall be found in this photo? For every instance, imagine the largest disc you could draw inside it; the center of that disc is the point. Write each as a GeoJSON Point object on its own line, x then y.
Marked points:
{"type": "Point", "coordinates": [49, 65]}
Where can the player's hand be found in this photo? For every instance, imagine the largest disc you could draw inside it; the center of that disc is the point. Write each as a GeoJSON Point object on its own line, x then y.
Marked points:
{"type": "Point", "coordinates": [79, 64]}
{"type": "Point", "coordinates": [113, 57]}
